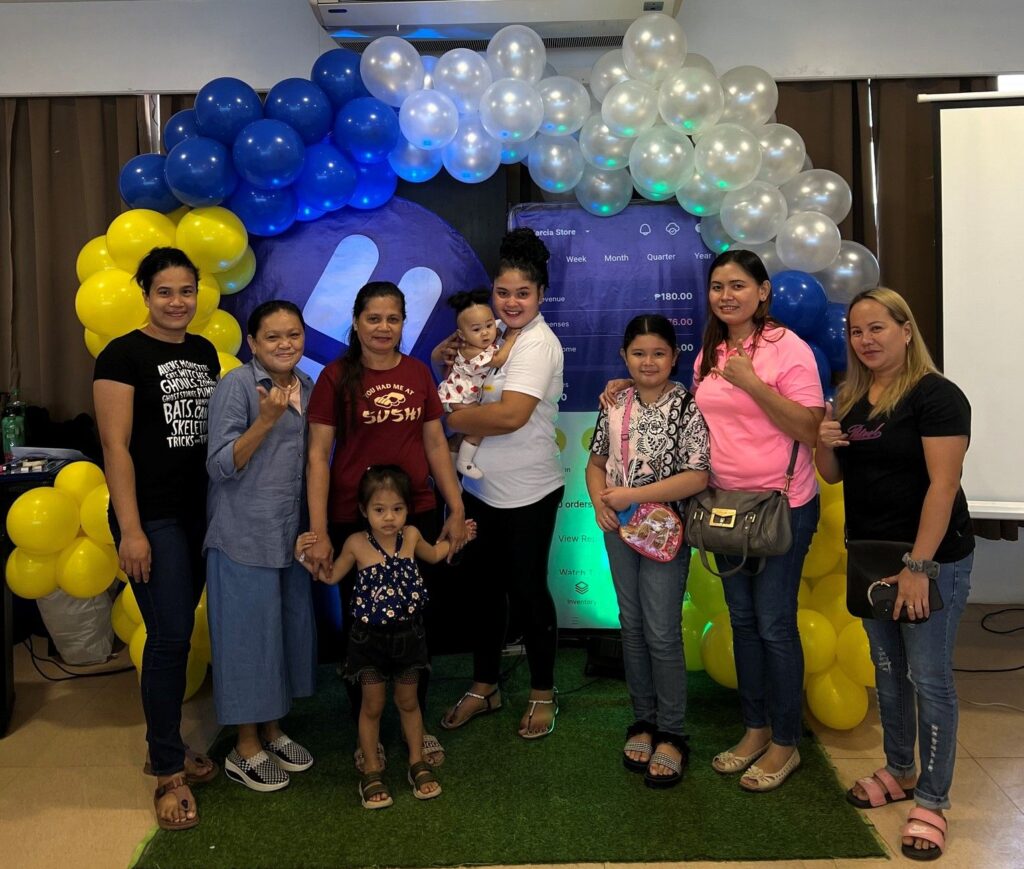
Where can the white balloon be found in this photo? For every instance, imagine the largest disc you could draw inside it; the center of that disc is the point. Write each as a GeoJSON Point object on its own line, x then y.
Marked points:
{"type": "Point", "coordinates": [516, 151]}
{"type": "Point", "coordinates": [472, 156]}
{"type": "Point", "coordinates": [700, 62]}
{"type": "Point", "coordinates": [511, 109]}
{"type": "Point", "coordinates": [855, 269]}
{"type": "Point", "coordinates": [654, 46]}
{"type": "Point", "coordinates": [604, 192]}
{"type": "Point", "coordinates": [414, 164]}
{"type": "Point", "coordinates": [659, 161]}
{"type": "Point", "coordinates": [555, 163]}
{"type": "Point", "coordinates": [391, 69]}
{"type": "Point", "coordinates": [754, 214]}
{"type": "Point", "coordinates": [782, 153]}
{"type": "Point", "coordinates": [629, 108]}
{"type": "Point", "coordinates": [566, 105]}
{"type": "Point", "coordinates": [808, 241]}
{"type": "Point", "coordinates": [728, 156]}
{"type": "Point", "coordinates": [428, 119]}
{"type": "Point", "coordinates": [713, 234]}
{"type": "Point", "coordinates": [463, 76]}
{"type": "Point", "coordinates": [518, 52]}
{"type": "Point", "coordinates": [691, 100]}
{"type": "Point", "coordinates": [700, 197]}
{"type": "Point", "coordinates": [819, 190]}
{"type": "Point", "coordinates": [751, 96]}
{"type": "Point", "coordinates": [767, 253]}
{"type": "Point", "coordinates": [600, 148]}
{"type": "Point", "coordinates": [607, 72]}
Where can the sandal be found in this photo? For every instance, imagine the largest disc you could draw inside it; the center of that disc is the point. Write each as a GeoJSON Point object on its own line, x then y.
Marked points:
{"type": "Point", "coordinates": [177, 782]}
{"type": "Point", "coordinates": [432, 747]}
{"type": "Point", "coordinates": [421, 773]}
{"type": "Point", "coordinates": [447, 721]}
{"type": "Point", "coordinates": [370, 785]}
{"type": "Point", "coordinates": [638, 728]}
{"type": "Point", "coordinates": [682, 745]}
{"type": "Point", "coordinates": [881, 788]}
{"type": "Point", "coordinates": [525, 732]}
{"type": "Point", "coordinates": [191, 778]}
{"type": "Point", "coordinates": [360, 760]}
{"type": "Point", "coordinates": [756, 780]}
{"type": "Point", "coordinates": [924, 824]}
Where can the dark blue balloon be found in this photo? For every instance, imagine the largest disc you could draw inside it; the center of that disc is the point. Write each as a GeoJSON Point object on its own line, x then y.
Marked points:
{"type": "Point", "coordinates": [831, 337]}
{"type": "Point", "coordinates": [143, 185]}
{"type": "Point", "coordinates": [303, 106]}
{"type": "Point", "coordinates": [199, 172]}
{"type": "Point", "coordinates": [305, 214]}
{"type": "Point", "coordinates": [798, 300]}
{"type": "Point", "coordinates": [824, 369]}
{"type": "Point", "coordinates": [224, 107]}
{"type": "Point", "coordinates": [269, 154]}
{"type": "Point", "coordinates": [336, 73]}
{"type": "Point", "coordinates": [367, 129]}
{"type": "Point", "coordinates": [180, 127]}
{"type": "Point", "coordinates": [376, 185]}
{"type": "Point", "coordinates": [327, 181]}
{"type": "Point", "coordinates": [264, 212]}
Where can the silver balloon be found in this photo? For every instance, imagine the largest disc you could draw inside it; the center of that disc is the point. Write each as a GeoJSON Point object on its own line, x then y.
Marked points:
{"type": "Point", "coordinates": [700, 197]}
{"type": "Point", "coordinates": [472, 156]}
{"type": "Point", "coordinates": [607, 72]}
{"type": "Point", "coordinates": [428, 119]}
{"type": "Point", "coordinates": [604, 192]}
{"type": "Point", "coordinates": [555, 163]}
{"type": "Point", "coordinates": [691, 100]}
{"type": "Point", "coordinates": [767, 254]}
{"type": "Point", "coordinates": [700, 62]}
{"type": "Point", "coordinates": [654, 46]}
{"type": "Point", "coordinates": [518, 52]}
{"type": "Point", "coordinates": [516, 151]}
{"type": "Point", "coordinates": [659, 161]}
{"type": "Point", "coordinates": [751, 96]}
{"type": "Point", "coordinates": [629, 108]}
{"type": "Point", "coordinates": [808, 241]}
{"type": "Point", "coordinates": [753, 214]}
{"type": "Point", "coordinates": [713, 234]}
{"type": "Point", "coordinates": [600, 148]}
{"type": "Point", "coordinates": [463, 76]}
{"type": "Point", "coordinates": [391, 69]}
{"type": "Point", "coordinates": [511, 110]}
{"type": "Point", "coordinates": [414, 164]}
{"type": "Point", "coordinates": [728, 156]}
{"type": "Point", "coordinates": [782, 153]}
{"type": "Point", "coordinates": [819, 190]}
{"type": "Point", "coordinates": [566, 105]}
{"type": "Point", "coordinates": [853, 270]}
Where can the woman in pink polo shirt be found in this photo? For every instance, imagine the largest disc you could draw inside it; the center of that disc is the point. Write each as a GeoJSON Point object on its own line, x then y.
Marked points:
{"type": "Point", "coordinates": [756, 383]}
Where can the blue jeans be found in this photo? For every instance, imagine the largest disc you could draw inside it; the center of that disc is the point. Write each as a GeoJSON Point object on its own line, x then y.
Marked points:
{"type": "Point", "coordinates": [916, 694]}
{"type": "Point", "coordinates": [765, 639]}
{"type": "Point", "coordinates": [650, 598]}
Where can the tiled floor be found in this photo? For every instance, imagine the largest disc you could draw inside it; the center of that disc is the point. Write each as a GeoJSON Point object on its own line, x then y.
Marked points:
{"type": "Point", "coordinates": [72, 793]}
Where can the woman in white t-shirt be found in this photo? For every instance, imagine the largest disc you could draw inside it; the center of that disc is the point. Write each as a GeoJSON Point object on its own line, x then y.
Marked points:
{"type": "Point", "coordinates": [515, 501]}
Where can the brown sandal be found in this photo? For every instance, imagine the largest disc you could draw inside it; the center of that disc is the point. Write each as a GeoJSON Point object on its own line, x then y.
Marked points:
{"type": "Point", "coordinates": [175, 784]}
{"type": "Point", "coordinates": [191, 778]}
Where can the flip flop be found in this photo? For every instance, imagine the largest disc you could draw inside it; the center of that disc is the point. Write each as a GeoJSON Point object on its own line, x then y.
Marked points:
{"type": "Point", "coordinates": [881, 788]}
{"type": "Point", "coordinates": [191, 778]}
{"type": "Point", "coordinates": [175, 784]}
{"type": "Point", "coordinates": [485, 710]}
{"type": "Point", "coordinates": [540, 734]}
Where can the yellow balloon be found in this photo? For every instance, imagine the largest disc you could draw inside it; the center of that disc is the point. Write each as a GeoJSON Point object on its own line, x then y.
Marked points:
{"type": "Point", "coordinates": [43, 520]}
{"type": "Point", "coordinates": [207, 302]}
{"type": "Point", "coordinates": [94, 342]}
{"type": "Point", "coordinates": [93, 515]}
{"type": "Point", "coordinates": [833, 523]}
{"type": "Point", "coordinates": [136, 646]}
{"type": "Point", "coordinates": [123, 626]}
{"type": "Point", "coordinates": [818, 640]}
{"type": "Point", "coordinates": [822, 556]}
{"type": "Point", "coordinates": [130, 604]}
{"type": "Point", "coordinates": [830, 492]}
{"type": "Point", "coordinates": [223, 332]}
{"type": "Point", "coordinates": [85, 568]}
{"type": "Point", "coordinates": [829, 598]}
{"type": "Point", "coordinates": [78, 479]}
{"type": "Point", "coordinates": [853, 652]}
{"type": "Point", "coordinates": [133, 234]}
{"type": "Point", "coordinates": [92, 258]}
{"type": "Point", "coordinates": [237, 277]}
{"type": "Point", "coordinates": [214, 238]}
{"type": "Point", "coordinates": [836, 700]}
{"type": "Point", "coordinates": [31, 576]}
{"type": "Point", "coordinates": [694, 622]}
{"type": "Point", "coordinates": [803, 595]}
{"type": "Point", "coordinates": [195, 674]}
{"type": "Point", "coordinates": [716, 651]}
{"type": "Point", "coordinates": [110, 303]}
{"type": "Point", "coordinates": [228, 362]}
{"type": "Point", "coordinates": [705, 589]}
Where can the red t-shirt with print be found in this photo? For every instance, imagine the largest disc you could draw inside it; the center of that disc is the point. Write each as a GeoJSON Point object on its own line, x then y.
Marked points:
{"type": "Point", "coordinates": [392, 409]}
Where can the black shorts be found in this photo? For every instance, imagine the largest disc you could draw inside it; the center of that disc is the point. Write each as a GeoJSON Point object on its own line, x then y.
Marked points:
{"type": "Point", "coordinates": [390, 650]}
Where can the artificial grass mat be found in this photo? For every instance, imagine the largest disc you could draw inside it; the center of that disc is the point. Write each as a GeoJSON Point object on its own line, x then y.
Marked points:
{"type": "Point", "coordinates": [563, 799]}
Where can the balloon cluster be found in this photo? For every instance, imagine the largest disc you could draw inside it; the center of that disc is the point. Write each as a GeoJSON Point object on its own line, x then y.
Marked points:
{"type": "Point", "coordinates": [837, 661]}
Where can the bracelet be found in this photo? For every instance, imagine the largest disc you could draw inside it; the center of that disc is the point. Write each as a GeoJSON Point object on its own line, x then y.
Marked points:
{"type": "Point", "coordinates": [928, 568]}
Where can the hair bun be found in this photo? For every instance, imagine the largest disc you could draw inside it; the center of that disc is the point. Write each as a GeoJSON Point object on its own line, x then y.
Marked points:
{"type": "Point", "coordinates": [523, 244]}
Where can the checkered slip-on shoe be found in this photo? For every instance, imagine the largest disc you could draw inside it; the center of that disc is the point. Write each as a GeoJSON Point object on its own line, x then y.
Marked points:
{"type": "Point", "coordinates": [259, 773]}
{"type": "Point", "coordinates": [288, 755]}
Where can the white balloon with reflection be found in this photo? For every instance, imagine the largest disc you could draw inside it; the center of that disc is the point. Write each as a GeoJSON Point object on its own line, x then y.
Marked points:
{"type": "Point", "coordinates": [428, 119]}
{"type": "Point", "coordinates": [751, 96]}
{"type": "Point", "coordinates": [713, 234]}
{"type": "Point", "coordinates": [462, 75]}
{"type": "Point", "coordinates": [511, 109]}
{"type": "Point", "coordinates": [691, 100]}
{"type": "Point", "coordinates": [414, 164]}
{"type": "Point", "coordinates": [608, 71]}
{"type": "Point", "coordinates": [555, 163]}
{"type": "Point", "coordinates": [472, 156]}
{"type": "Point", "coordinates": [819, 190]}
{"type": "Point", "coordinates": [754, 214]}
{"type": "Point", "coordinates": [808, 241]}
{"type": "Point", "coordinates": [659, 161]}
{"type": "Point", "coordinates": [629, 108]}
{"type": "Point", "coordinates": [654, 45]}
{"type": "Point", "coordinates": [566, 105]}
{"type": "Point", "coordinates": [855, 269]}
{"type": "Point", "coordinates": [604, 192]}
{"type": "Point", "coordinates": [782, 153]}
{"type": "Point", "coordinates": [728, 156]}
{"type": "Point", "coordinates": [391, 69]}
{"type": "Point", "coordinates": [518, 52]}
{"type": "Point", "coordinates": [699, 196]}
{"type": "Point", "coordinates": [601, 149]}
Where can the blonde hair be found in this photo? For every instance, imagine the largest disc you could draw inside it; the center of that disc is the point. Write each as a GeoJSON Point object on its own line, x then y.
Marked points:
{"type": "Point", "coordinates": [858, 379]}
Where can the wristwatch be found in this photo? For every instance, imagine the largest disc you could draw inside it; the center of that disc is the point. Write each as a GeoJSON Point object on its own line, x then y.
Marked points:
{"type": "Point", "coordinates": [928, 568]}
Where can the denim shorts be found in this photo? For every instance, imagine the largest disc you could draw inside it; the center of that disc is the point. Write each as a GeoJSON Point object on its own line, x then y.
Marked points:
{"type": "Point", "coordinates": [390, 650]}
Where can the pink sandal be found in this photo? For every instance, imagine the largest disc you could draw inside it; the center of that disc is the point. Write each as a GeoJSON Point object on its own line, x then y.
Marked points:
{"type": "Point", "coordinates": [881, 788]}
{"type": "Point", "coordinates": [928, 825]}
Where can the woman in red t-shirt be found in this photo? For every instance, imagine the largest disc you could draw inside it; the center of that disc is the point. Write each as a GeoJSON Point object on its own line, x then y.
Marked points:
{"type": "Point", "coordinates": [376, 406]}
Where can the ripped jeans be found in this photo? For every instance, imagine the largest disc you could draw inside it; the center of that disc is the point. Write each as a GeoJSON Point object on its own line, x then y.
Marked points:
{"type": "Point", "coordinates": [916, 694]}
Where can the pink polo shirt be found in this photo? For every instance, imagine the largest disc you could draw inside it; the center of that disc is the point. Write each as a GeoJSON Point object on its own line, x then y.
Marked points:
{"type": "Point", "coordinates": [747, 450]}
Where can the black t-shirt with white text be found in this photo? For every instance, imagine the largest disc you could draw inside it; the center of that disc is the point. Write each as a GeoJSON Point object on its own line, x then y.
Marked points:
{"type": "Point", "coordinates": [885, 477]}
{"type": "Point", "coordinates": [173, 384]}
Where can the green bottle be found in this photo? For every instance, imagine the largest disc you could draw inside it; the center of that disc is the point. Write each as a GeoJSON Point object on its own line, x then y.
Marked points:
{"type": "Point", "coordinates": [13, 425]}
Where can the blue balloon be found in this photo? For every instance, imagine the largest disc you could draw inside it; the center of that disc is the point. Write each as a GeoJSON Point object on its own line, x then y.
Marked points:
{"type": "Point", "coordinates": [143, 185]}
{"type": "Point", "coordinates": [305, 214]}
{"type": "Point", "coordinates": [269, 154]}
{"type": "Point", "coordinates": [327, 181]}
{"type": "Point", "coordinates": [180, 127]}
{"type": "Point", "coordinates": [798, 300]}
{"type": "Point", "coordinates": [199, 172]}
{"type": "Point", "coordinates": [824, 370]}
{"type": "Point", "coordinates": [224, 107]}
{"type": "Point", "coordinates": [367, 129]}
{"type": "Point", "coordinates": [831, 337]}
{"type": "Point", "coordinates": [376, 185]}
{"type": "Point", "coordinates": [336, 73]}
{"type": "Point", "coordinates": [264, 212]}
{"type": "Point", "coordinates": [301, 105]}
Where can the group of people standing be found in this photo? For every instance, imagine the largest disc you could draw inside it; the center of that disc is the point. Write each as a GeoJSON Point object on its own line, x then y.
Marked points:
{"type": "Point", "coordinates": [273, 478]}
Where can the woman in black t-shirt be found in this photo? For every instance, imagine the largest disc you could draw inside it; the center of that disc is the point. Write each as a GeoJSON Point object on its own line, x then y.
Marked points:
{"type": "Point", "coordinates": [151, 390]}
{"type": "Point", "coordinates": [898, 443]}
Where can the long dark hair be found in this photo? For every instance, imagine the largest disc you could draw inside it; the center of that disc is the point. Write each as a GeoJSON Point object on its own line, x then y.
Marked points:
{"type": "Point", "coordinates": [346, 393]}
{"type": "Point", "coordinates": [521, 249]}
{"type": "Point", "coordinates": [715, 332]}
{"type": "Point", "coordinates": [651, 324]}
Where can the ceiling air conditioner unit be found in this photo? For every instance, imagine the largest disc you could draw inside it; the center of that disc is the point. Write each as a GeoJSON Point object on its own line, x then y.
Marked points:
{"type": "Point", "coordinates": [438, 25]}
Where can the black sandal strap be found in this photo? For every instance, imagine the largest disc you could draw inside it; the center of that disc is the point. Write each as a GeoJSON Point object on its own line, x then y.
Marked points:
{"type": "Point", "coordinates": [641, 726]}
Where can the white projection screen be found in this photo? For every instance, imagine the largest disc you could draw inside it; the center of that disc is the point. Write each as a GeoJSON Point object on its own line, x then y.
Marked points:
{"type": "Point", "coordinates": [980, 187]}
